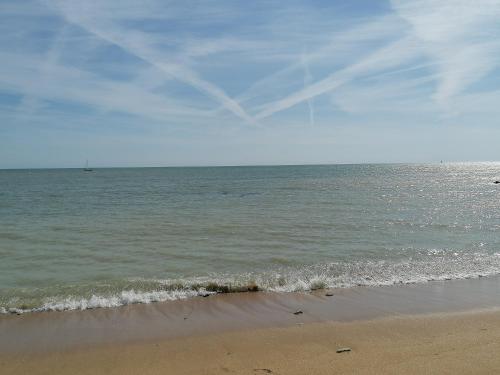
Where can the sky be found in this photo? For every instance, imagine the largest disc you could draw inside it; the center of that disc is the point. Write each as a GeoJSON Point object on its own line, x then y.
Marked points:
{"type": "Point", "coordinates": [173, 83]}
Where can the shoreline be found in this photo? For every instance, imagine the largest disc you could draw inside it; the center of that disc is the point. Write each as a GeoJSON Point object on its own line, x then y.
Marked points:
{"type": "Point", "coordinates": [173, 292]}
{"type": "Point", "coordinates": [450, 327]}
{"type": "Point", "coordinates": [222, 313]}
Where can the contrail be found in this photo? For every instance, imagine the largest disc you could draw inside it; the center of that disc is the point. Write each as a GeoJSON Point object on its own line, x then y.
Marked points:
{"type": "Point", "coordinates": [382, 27]}
{"type": "Point", "coordinates": [333, 81]}
{"type": "Point", "coordinates": [392, 55]}
{"type": "Point", "coordinates": [177, 71]}
{"type": "Point", "coordinates": [307, 81]}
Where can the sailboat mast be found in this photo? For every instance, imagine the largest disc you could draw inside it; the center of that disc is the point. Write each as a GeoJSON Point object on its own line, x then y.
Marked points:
{"type": "Point", "coordinates": [87, 169]}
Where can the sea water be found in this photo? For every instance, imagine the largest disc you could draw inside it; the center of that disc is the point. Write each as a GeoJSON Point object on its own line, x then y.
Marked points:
{"type": "Point", "coordinates": [71, 239]}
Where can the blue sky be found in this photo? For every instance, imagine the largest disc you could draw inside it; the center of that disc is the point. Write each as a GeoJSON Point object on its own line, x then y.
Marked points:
{"type": "Point", "coordinates": [159, 83]}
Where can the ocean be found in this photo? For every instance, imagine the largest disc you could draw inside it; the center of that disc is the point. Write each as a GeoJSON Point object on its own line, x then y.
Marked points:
{"type": "Point", "coordinates": [71, 239]}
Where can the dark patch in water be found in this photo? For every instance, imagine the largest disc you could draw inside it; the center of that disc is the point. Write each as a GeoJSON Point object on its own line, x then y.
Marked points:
{"type": "Point", "coordinates": [247, 194]}
{"type": "Point", "coordinates": [211, 287]}
{"type": "Point", "coordinates": [214, 287]}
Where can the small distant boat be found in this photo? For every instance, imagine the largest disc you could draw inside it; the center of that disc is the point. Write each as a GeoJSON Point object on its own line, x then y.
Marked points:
{"type": "Point", "coordinates": [87, 169]}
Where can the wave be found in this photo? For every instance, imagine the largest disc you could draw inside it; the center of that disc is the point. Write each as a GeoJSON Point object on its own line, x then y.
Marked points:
{"type": "Point", "coordinates": [436, 264]}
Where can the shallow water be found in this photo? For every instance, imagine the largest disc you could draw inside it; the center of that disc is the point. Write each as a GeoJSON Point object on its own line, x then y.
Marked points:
{"type": "Point", "coordinates": [73, 239]}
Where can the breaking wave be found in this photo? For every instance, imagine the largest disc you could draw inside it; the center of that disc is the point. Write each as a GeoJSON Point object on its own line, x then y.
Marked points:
{"type": "Point", "coordinates": [436, 264]}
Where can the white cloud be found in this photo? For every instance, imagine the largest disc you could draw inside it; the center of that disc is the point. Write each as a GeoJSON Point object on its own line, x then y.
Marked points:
{"type": "Point", "coordinates": [456, 40]}
{"type": "Point", "coordinates": [448, 46]}
{"type": "Point", "coordinates": [460, 36]}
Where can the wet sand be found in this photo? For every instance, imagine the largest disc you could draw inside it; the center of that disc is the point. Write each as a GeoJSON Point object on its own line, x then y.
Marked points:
{"type": "Point", "coordinates": [438, 327]}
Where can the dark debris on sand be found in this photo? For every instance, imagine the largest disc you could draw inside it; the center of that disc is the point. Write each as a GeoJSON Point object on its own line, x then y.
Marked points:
{"type": "Point", "coordinates": [343, 350]}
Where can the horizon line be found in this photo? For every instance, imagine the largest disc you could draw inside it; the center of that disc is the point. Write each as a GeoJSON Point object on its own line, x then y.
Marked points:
{"type": "Point", "coordinates": [258, 165]}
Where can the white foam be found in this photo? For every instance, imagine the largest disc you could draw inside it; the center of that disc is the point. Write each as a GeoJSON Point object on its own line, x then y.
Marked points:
{"type": "Point", "coordinates": [126, 297]}
{"type": "Point", "coordinates": [436, 265]}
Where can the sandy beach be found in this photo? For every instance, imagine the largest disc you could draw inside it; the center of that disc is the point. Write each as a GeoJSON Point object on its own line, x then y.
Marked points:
{"type": "Point", "coordinates": [441, 327]}
{"type": "Point", "coordinates": [466, 343]}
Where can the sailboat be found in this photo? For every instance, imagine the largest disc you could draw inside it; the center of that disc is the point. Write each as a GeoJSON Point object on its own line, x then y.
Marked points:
{"type": "Point", "coordinates": [87, 169]}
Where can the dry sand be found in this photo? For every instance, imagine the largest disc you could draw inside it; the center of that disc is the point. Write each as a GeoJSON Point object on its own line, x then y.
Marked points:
{"type": "Point", "coordinates": [465, 343]}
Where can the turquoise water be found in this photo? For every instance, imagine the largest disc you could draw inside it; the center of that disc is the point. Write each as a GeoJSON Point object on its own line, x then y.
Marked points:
{"type": "Point", "coordinates": [72, 239]}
